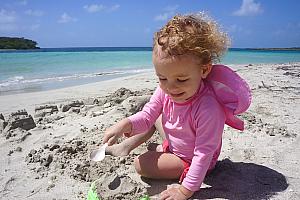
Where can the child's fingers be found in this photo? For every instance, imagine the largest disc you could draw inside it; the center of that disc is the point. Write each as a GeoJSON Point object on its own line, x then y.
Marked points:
{"type": "Point", "coordinates": [164, 195]}
{"type": "Point", "coordinates": [108, 140]}
{"type": "Point", "coordinates": [105, 138]}
{"type": "Point", "coordinates": [112, 140]}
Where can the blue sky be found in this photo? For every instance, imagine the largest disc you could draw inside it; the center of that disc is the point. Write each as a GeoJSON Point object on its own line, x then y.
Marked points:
{"type": "Point", "coordinates": [88, 23]}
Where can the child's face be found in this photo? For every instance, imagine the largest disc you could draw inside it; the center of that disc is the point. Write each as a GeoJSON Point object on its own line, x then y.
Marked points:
{"type": "Point", "coordinates": [180, 77]}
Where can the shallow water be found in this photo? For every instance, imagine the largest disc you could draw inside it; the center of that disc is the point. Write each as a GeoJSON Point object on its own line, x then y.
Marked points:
{"type": "Point", "coordinates": [44, 69]}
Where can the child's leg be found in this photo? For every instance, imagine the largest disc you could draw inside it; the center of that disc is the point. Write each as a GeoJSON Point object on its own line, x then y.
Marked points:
{"type": "Point", "coordinates": [126, 146]}
{"type": "Point", "coordinates": [159, 165]}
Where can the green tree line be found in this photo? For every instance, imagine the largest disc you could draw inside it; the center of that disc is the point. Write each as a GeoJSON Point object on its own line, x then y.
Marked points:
{"type": "Point", "coordinates": [17, 43]}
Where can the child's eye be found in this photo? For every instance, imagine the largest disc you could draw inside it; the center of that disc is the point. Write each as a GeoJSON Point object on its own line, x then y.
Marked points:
{"type": "Point", "coordinates": [162, 79]}
{"type": "Point", "coordinates": [182, 80]}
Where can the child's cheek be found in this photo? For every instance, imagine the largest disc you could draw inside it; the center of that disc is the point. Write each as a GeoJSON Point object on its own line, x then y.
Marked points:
{"type": "Point", "coordinates": [162, 86]}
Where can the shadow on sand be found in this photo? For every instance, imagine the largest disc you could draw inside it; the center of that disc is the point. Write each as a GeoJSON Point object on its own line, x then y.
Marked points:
{"type": "Point", "coordinates": [234, 180]}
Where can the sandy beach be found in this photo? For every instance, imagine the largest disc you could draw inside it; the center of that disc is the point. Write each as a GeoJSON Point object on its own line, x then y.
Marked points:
{"type": "Point", "coordinates": [46, 139]}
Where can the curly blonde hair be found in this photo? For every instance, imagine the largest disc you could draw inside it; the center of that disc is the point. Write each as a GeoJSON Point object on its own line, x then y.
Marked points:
{"type": "Point", "coordinates": [194, 34]}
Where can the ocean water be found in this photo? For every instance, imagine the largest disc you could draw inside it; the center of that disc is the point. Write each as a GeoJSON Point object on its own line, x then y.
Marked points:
{"type": "Point", "coordinates": [44, 69]}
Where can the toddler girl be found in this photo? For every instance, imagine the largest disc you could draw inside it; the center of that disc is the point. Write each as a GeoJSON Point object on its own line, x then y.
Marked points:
{"type": "Point", "coordinates": [190, 106]}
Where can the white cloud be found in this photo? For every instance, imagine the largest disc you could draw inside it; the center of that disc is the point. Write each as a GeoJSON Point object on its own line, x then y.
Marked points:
{"type": "Point", "coordinates": [169, 12]}
{"type": "Point", "coordinates": [65, 18]}
{"type": "Point", "coordinates": [93, 8]}
{"type": "Point", "coordinates": [35, 13]}
{"type": "Point", "coordinates": [249, 8]}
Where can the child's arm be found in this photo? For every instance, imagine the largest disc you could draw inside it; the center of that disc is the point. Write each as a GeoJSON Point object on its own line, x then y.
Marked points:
{"type": "Point", "coordinates": [137, 123]}
{"type": "Point", "coordinates": [145, 119]}
{"type": "Point", "coordinates": [112, 134]}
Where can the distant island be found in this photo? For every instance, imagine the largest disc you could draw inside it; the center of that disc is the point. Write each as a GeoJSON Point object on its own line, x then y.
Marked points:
{"type": "Point", "coordinates": [17, 43]}
{"type": "Point", "coordinates": [277, 49]}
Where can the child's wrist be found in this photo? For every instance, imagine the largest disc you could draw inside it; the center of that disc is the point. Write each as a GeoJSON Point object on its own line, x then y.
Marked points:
{"type": "Point", "coordinates": [186, 192]}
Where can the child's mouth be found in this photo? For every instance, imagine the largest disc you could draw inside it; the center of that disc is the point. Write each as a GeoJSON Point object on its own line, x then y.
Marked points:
{"type": "Point", "coordinates": [177, 95]}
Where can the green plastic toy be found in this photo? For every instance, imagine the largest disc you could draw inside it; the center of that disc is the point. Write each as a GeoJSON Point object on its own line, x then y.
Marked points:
{"type": "Point", "coordinates": [145, 198]}
{"type": "Point", "coordinates": [92, 194]}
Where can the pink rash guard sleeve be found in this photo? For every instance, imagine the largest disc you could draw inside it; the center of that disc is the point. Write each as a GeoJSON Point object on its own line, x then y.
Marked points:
{"type": "Point", "coordinates": [145, 119]}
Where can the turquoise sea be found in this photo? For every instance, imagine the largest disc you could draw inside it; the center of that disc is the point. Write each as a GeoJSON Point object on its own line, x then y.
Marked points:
{"type": "Point", "coordinates": [52, 68]}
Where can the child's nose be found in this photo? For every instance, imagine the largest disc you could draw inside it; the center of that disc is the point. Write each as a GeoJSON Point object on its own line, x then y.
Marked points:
{"type": "Point", "coordinates": [171, 85]}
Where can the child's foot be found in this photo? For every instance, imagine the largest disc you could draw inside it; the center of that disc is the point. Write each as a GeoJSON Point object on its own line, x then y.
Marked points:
{"type": "Point", "coordinates": [155, 147]}
{"type": "Point", "coordinates": [117, 150]}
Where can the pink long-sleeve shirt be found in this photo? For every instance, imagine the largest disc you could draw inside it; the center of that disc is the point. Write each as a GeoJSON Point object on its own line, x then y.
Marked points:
{"type": "Point", "coordinates": [193, 129]}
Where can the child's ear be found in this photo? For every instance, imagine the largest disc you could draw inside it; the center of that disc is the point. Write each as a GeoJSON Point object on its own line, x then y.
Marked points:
{"type": "Point", "coordinates": [206, 70]}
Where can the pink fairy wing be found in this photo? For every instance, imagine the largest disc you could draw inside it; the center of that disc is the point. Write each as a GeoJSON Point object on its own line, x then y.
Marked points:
{"type": "Point", "coordinates": [232, 92]}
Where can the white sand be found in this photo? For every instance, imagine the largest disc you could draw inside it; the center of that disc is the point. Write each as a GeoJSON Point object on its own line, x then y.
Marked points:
{"type": "Point", "coordinates": [51, 160]}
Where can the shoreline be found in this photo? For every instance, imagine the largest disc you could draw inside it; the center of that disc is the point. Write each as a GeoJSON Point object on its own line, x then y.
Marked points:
{"type": "Point", "coordinates": [15, 102]}
{"type": "Point", "coordinates": [60, 83]}
{"type": "Point", "coordinates": [261, 162]}
{"type": "Point", "coordinates": [275, 49]}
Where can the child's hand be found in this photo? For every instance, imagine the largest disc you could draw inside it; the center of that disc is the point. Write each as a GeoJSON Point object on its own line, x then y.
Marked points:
{"type": "Point", "coordinates": [112, 134]}
{"type": "Point", "coordinates": [176, 193]}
